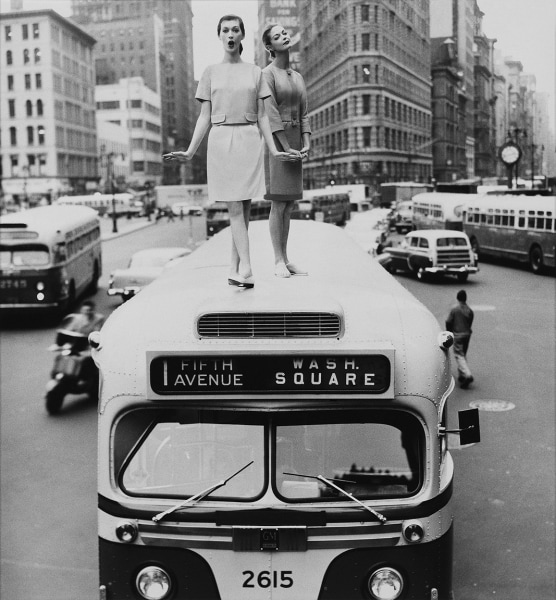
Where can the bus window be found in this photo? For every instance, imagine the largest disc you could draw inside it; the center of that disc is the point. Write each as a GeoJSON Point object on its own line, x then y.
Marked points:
{"type": "Point", "coordinates": [59, 253]}
{"type": "Point", "coordinates": [30, 257]}
{"type": "Point", "coordinates": [181, 455]}
{"type": "Point", "coordinates": [374, 458]}
{"type": "Point", "coordinates": [423, 243]}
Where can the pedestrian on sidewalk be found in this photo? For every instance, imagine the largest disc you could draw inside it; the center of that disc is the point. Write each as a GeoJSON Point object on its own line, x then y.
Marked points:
{"type": "Point", "coordinates": [459, 322]}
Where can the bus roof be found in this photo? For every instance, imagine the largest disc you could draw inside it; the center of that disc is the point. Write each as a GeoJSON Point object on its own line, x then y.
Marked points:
{"type": "Point", "coordinates": [546, 203]}
{"type": "Point", "coordinates": [49, 219]}
{"type": "Point", "coordinates": [376, 312]}
{"type": "Point", "coordinates": [448, 199]}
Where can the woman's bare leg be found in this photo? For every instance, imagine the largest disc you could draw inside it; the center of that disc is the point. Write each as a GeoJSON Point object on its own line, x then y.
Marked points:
{"type": "Point", "coordinates": [239, 224]}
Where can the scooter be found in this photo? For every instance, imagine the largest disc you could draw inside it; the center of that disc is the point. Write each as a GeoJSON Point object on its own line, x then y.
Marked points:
{"type": "Point", "coordinates": [73, 372]}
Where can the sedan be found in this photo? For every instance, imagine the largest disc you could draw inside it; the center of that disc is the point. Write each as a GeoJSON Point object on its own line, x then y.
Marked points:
{"type": "Point", "coordinates": [144, 267]}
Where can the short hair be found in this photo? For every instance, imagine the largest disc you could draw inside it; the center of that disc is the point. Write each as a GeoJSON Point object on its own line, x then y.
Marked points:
{"type": "Point", "coordinates": [462, 296]}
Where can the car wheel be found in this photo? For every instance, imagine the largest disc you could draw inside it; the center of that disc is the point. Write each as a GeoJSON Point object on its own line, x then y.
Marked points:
{"type": "Point", "coordinates": [536, 259]}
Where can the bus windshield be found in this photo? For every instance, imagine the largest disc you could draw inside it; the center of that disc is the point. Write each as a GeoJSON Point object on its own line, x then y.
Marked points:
{"type": "Point", "coordinates": [24, 256]}
{"type": "Point", "coordinates": [371, 454]}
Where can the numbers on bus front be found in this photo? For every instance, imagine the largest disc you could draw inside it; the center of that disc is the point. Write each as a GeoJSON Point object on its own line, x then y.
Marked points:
{"type": "Point", "coordinates": [266, 579]}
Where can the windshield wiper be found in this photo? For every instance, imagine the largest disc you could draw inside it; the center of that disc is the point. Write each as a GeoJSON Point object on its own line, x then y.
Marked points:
{"type": "Point", "coordinates": [199, 496]}
{"type": "Point", "coordinates": [330, 483]}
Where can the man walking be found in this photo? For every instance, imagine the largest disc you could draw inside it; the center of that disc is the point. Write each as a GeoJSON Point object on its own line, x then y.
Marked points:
{"type": "Point", "coordinates": [459, 323]}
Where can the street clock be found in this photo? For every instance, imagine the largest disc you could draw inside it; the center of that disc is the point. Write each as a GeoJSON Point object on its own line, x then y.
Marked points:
{"type": "Point", "coordinates": [510, 153]}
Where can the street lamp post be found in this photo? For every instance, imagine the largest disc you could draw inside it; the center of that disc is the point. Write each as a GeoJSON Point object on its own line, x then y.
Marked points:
{"type": "Point", "coordinates": [110, 169]}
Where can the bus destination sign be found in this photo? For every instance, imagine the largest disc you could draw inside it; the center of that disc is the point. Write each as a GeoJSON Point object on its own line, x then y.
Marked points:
{"type": "Point", "coordinates": [305, 374]}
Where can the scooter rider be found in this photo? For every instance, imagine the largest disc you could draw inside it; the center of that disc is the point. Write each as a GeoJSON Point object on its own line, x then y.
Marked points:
{"type": "Point", "coordinates": [86, 320]}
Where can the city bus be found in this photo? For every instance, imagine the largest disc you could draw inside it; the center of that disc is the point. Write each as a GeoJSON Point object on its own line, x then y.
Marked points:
{"type": "Point", "coordinates": [323, 205]}
{"type": "Point", "coordinates": [439, 210]}
{"type": "Point", "coordinates": [49, 256]}
{"type": "Point", "coordinates": [519, 228]}
{"type": "Point", "coordinates": [286, 442]}
{"type": "Point", "coordinates": [121, 204]}
{"type": "Point", "coordinates": [218, 218]}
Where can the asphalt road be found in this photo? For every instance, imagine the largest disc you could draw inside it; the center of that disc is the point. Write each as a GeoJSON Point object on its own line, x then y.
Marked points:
{"type": "Point", "coordinates": [504, 489]}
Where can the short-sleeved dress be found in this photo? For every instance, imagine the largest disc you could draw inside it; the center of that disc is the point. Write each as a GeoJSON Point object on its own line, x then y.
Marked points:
{"type": "Point", "coordinates": [235, 163]}
{"type": "Point", "coordinates": [287, 111]}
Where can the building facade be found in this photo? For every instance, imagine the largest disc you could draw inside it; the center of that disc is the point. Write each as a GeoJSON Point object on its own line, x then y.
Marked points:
{"type": "Point", "coordinates": [47, 118]}
{"type": "Point", "coordinates": [136, 107]}
{"type": "Point", "coordinates": [151, 39]}
{"type": "Point", "coordinates": [367, 70]}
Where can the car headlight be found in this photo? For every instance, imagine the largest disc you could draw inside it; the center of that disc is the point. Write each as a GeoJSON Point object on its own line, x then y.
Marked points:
{"type": "Point", "coordinates": [385, 584]}
{"type": "Point", "coordinates": [413, 531]}
{"type": "Point", "coordinates": [153, 583]}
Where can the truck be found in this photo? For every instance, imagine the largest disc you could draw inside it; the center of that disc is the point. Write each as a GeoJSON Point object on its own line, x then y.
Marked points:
{"type": "Point", "coordinates": [394, 192]}
{"type": "Point", "coordinates": [358, 195]}
{"type": "Point", "coordinates": [168, 195]}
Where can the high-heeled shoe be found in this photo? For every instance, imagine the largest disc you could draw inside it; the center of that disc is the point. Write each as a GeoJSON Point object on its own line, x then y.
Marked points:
{"type": "Point", "coordinates": [241, 282]}
{"type": "Point", "coordinates": [295, 270]}
{"type": "Point", "coordinates": [280, 270]}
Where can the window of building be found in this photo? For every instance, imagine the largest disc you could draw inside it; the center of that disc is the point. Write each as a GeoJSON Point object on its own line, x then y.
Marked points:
{"type": "Point", "coordinates": [8, 33]}
{"type": "Point", "coordinates": [30, 136]}
{"type": "Point", "coordinates": [10, 83]}
{"type": "Point", "coordinates": [25, 31]}
{"type": "Point", "coordinates": [366, 73]}
{"type": "Point", "coordinates": [41, 132]}
{"type": "Point", "coordinates": [11, 108]}
{"type": "Point", "coordinates": [14, 162]}
{"type": "Point", "coordinates": [39, 108]}
{"type": "Point", "coordinates": [366, 104]}
{"type": "Point", "coordinates": [365, 41]}
{"type": "Point", "coordinates": [365, 13]}
{"type": "Point", "coordinates": [35, 31]}
{"type": "Point", "coordinates": [26, 57]}
{"type": "Point", "coordinates": [29, 108]}
{"type": "Point", "coordinates": [366, 137]}
{"type": "Point", "coordinates": [9, 58]}
{"type": "Point", "coordinates": [138, 165]}
{"type": "Point", "coordinates": [38, 81]}
{"type": "Point", "coordinates": [37, 53]}
{"type": "Point", "coordinates": [27, 81]}
{"type": "Point", "coordinates": [13, 136]}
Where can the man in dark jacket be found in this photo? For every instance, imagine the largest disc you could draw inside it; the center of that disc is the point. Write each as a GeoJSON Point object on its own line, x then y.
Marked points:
{"type": "Point", "coordinates": [459, 322]}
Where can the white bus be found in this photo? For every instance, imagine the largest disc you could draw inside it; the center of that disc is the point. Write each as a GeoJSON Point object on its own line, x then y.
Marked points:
{"type": "Point", "coordinates": [121, 204]}
{"type": "Point", "coordinates": [521, 228]}
{"type": "Point", "coordinates": [439, 210]}
{"type": "Point", "coordinates": [49, 256]}
{"type": "Point", "coordinates": [285, 442]}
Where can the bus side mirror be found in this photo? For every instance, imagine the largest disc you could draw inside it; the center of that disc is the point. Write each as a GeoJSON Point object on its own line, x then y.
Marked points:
{"type": "Point", "coordinates": [469, 428]}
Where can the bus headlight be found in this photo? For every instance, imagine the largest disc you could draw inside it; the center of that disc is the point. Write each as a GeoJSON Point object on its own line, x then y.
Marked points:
{"type": "Point", "coordinates": [40, 296]}
{"type": "Point", "coordinates": [126, 532]}
{"type": "Point", "coordinates": [413, 531]}
{"type": "Point", "coordinates": [153, 583]}
{"type": "Point", "coordinates": [385, 584]}
{"type": "Point", "coordinates": [40, 286]}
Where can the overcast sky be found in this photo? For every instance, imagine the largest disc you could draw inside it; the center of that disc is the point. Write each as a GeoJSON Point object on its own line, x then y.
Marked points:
{"type": "Point", "coordinates": [525, 30]}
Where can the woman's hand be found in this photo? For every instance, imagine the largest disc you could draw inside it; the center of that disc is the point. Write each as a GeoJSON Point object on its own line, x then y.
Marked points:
{"type": "Point", "coordinates": [290, 156]}
{"type": "Point", "coordinates": [179, 156]}
{"type": "Point", "coordinates": [304, 151]}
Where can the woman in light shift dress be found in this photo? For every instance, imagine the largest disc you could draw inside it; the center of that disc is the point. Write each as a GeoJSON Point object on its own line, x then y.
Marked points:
{"type": "Point", "coordinates": [289, 123]}
{"type": "Point", "coordinates": [232, 100]}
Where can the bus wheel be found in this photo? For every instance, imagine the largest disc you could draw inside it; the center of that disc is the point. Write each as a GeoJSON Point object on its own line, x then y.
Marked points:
{"type": "Point", "coordinates": [93, 288]}
{"type": "Point", "coordinates": [535, 259]}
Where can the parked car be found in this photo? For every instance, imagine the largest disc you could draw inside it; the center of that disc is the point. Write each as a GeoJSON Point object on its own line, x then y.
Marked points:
{"type": "Point", "coordinates": [185, 209]}
{"type": "Point", "coordinates": [402, 217]}
{"type": "Point", "coordinates": [432, 252]}
{"type": "Point", "coordinates": [144, 267]}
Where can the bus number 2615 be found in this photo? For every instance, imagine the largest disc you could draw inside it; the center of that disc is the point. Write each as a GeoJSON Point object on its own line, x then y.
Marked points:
{"type": "Point", "coordinates": [266, 579]}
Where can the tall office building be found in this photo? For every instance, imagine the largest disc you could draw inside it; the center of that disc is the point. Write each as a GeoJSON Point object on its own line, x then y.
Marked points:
{"type": "Point", "coordinates": [151, 39]}
{"type": "Point", "coordinates": [454, 20]}
{"type": "Point", "coordinates": [367, 70]}
{"type": "Point", "coordinates": [47, 119]}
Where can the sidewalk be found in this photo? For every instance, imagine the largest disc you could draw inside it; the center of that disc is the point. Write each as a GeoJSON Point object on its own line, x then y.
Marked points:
{"type": "Point", "coordinates": [123, 224]}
